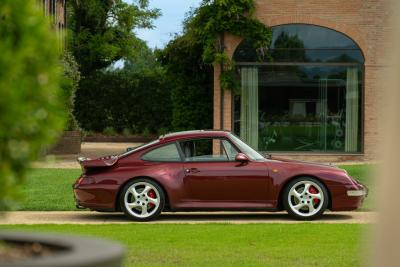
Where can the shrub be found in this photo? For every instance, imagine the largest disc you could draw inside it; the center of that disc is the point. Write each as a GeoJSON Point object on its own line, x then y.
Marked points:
{"type": "Point", "coordinates": [69, 85]}
{"type": "Point", "coordinates": [192, 84]}
{"type": "Point", "coordinates": [123, 100]}
{"type": "Point", "coordinates": [31, 114]}
{"type": "Point", "coordinates": [109, 131]}
{"type": "Point", "coordinates": [127, 132]}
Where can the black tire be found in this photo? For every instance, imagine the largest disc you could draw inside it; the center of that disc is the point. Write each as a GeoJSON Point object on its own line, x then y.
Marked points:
{"type": "Point", "coordinates": [130, 214]}
{"type": "Point", "coordinates": [322, 207]}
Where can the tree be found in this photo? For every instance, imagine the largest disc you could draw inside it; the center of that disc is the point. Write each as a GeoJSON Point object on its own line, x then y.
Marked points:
{"type": "Point", "coordinates": [210, 22]}
{"type": "Point", "coordinates": [191, 82]}
{"type": "Point", "coordinates": [129, 102]}
{"type": "Point", "coordinates": [189, 58]}
{"type": "Point", "coordinates": [31, 113]}
{"type": "Point", "coordinates": [102, 31]}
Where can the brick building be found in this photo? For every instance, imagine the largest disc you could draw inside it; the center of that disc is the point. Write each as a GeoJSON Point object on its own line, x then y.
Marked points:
{"type": "Point", "coordinates": [56, 10]}
{"type": "Point", "coordinates": [316, 96]}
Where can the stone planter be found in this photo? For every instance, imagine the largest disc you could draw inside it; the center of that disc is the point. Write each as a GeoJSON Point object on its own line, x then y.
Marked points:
{"type": "Point", "coordinates": [69, 251]}
{"type": "Point", "coordinates": [69, 143]}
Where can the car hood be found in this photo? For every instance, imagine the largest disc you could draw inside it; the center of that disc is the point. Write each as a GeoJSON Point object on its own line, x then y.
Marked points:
{"type": "Point", "coordinates": [308, 165]}
{"type": "Point", "coordinates": [330, 166]}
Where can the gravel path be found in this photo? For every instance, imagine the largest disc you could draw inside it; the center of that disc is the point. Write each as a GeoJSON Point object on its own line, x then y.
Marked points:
{"type": "Point", "coordinates": [88, 217]}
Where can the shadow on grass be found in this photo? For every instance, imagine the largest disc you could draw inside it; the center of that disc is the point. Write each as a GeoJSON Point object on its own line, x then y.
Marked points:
{"type": "Point", "coordinates": [216, 217]}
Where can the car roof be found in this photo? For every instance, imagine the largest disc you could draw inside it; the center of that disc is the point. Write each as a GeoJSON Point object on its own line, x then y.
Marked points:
{"type": "Point", "coordinates": [192, 134]}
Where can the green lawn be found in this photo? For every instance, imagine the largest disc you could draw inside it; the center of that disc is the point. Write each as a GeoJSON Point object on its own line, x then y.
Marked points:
{"type": "Point", "coordinates": [365, 174]}
{"type": "Point", "coordinates": [226, 244]}
{"type": "Point", "coordinates": [50, 189]}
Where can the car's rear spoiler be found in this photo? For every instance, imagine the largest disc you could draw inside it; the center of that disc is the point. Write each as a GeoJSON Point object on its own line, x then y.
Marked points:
{"type": "Point", "coordinates": [87, 163]}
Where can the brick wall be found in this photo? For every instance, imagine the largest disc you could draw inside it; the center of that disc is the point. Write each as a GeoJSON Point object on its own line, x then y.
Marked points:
{"type": "Point", "coordinates": [365, 21]}
{"type": "Point", "coordinates": [69, 143]}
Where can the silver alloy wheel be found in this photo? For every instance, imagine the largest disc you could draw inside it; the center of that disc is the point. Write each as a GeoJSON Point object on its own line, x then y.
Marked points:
{"type": "Point", "coordinates": [303, 202]}
{"type": "Point", "coordinates": [142, 200]}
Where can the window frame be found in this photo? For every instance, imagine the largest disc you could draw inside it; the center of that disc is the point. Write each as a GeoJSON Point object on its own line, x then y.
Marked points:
{"type": "Point", "coordinates": [202, 138]}
{"type": "Point", "coordinates": [161, 146]}
{"type": "Point", "coordinates": [362, 67]}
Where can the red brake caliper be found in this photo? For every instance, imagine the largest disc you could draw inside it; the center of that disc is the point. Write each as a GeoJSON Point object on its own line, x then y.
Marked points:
{"type": "Point", "coordinates": [314, 190]}
{"type": "Point", "coordinates": [151, 194]}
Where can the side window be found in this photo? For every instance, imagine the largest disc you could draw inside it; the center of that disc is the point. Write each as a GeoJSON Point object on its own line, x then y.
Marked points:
{"type": "Point", "coordinates": [168, 153]}
{"type": "Point", "coordinates": [205, 150]}
{"type": "Point", "coordinates": [230, 150]}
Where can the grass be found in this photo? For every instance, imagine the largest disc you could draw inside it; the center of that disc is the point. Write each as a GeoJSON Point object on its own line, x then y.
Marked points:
{"type": "Point", "coordinates": [364, 174]}
{"type": "Point", "coordinates": [226, 244]}
{"type": "Point", "coordinates": [50, 189]}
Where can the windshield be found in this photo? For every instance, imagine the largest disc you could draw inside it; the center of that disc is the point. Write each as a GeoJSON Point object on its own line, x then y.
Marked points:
{"type": "Point", "coordinates": [139, 147]}
{"type": "Point", "coordinates": [245, 148]}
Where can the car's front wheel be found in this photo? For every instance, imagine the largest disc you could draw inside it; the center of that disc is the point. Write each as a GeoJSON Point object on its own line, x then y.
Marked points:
{"type": "Point", "coordinates": [305, 198]}
{"type": "Point", "coordinates": [142, 199]}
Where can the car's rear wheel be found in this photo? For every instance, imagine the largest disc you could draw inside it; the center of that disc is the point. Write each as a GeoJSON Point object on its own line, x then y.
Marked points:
{"type": "Point", "coordinates": [142, 199]}
{"type": "Point", "coordinates": [305, 198]}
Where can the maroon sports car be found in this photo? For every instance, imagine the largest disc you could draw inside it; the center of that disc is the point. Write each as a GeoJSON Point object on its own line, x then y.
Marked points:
{"type": "Point", "coordinates": [211, 170]}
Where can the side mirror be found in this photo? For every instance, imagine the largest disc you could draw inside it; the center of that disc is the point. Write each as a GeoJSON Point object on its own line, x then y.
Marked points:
{"type": "Point", "coordinates": [241, 158]}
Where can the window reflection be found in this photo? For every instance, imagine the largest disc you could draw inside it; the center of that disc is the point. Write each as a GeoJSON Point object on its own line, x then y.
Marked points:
{"type": "Point", "coordinates": [303, 43]}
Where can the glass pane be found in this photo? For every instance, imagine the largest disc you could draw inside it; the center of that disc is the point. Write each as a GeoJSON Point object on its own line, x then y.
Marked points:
{"type": "Point", "coordinates": [203, 150]}
{"type": "Point", "coordinates": [309, 37]}
{"type": "Point", "coordinates": [230, 150]}
{"type": "Point", "coordinates": [306, 108]}
{"type": "Point", "coordinates": [303, 43]}
{"type": "Point", "coordinates": [165, 153]}
{"type": "Point", "coordinates": [317, 55]}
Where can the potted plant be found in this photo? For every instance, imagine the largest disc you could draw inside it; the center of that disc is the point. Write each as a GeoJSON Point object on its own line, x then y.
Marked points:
{"type": "Point", "coordinates": [32, 116]}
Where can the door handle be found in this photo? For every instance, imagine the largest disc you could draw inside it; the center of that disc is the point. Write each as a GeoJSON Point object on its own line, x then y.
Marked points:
{"type": "Point", "coordinates": [192, 170]}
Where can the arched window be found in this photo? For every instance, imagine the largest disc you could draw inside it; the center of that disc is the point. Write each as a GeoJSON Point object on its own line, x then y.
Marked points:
{"type": "Point", "coordinates": [303, 94]}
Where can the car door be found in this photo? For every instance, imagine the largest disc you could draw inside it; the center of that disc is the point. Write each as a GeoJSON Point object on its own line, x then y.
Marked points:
{"type": "Point", "coordinates": [214, 178]}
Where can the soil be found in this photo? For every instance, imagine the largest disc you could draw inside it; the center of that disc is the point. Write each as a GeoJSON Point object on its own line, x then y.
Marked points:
{"type": "Point", "coordinates": [15, 251]}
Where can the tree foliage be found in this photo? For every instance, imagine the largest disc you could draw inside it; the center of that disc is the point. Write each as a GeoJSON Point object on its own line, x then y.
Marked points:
{"type": "Point", "coordinates": [209, 23]}
{"type": "Point", "coordinates": [31, 113]}
{"type": "Point", "coordinates": [191, 83]}
{"type": "Point", "coordinates": [189, 57]}
{"type": "Point", "coordinates": [69, 84]}
{"type": "Point", "coordinates": [102, 31]}
{"type": "Point", "coordinates": [124, 102]}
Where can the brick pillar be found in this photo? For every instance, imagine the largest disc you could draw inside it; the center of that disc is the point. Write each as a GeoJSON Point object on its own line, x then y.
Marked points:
{"type": "Point", "coordinates": [227, 109]}
{"type": "Point", "coordinates": [217, 97]}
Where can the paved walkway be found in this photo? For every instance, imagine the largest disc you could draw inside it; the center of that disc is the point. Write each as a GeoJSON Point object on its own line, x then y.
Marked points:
{"type": "Point", "coordinates": [88, 217]}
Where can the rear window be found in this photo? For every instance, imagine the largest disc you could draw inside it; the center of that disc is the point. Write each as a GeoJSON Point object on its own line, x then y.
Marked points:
{"type": "Point", "coordinates": [167, 153]}
{"type": "Point", "coordinates": [139, 147]}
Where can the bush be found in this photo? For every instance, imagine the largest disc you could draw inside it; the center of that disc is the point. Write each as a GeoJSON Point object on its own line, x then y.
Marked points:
{"type": "Point", "coordinates": [69, 85]}
{"type": "Point", "coordinates": [109, 131]}
{"type": "Point", "coordinates": [31, 114]}
{"type": "Point", "coordinates": [192, 84]}
{"type": "Point", "coordinates": [124, 101]}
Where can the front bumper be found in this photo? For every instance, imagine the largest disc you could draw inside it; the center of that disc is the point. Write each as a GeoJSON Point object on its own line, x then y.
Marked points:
{"type": "Point", "coordinates": [348, 197]}
{"type": "Point", "coordinates": [357, 193]}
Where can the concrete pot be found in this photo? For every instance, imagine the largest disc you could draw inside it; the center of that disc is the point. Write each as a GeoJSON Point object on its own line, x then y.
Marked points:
{"type": "Point", "coordinates": [70, 251]}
